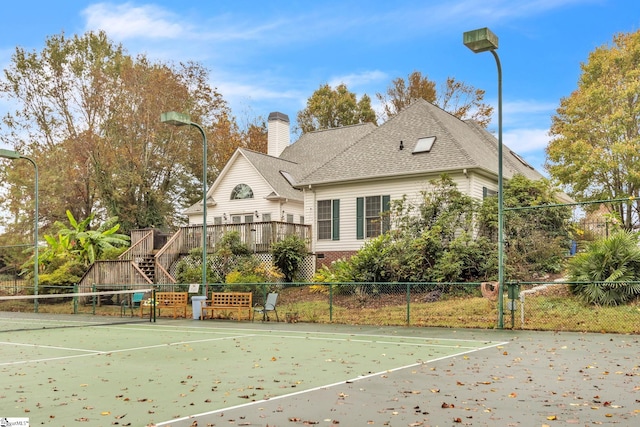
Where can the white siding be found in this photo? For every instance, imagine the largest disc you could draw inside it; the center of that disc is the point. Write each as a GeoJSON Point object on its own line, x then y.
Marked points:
{"type": "Point", "coordinates": [243, 172]}
{"type": "Point", "coordinates": [479, 182]}
{"type": "Point", "coordinates": [397, 188]}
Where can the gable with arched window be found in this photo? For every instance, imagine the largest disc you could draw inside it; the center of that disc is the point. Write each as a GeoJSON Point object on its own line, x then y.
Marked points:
{"type": "Point", "coordinates": [242, 191]}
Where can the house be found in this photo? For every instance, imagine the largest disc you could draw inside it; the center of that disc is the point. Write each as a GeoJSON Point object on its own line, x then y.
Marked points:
{"type": "Point", "coordinates": [338, 181]}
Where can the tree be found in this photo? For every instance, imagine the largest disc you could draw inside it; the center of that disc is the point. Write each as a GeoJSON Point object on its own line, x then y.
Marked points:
{"type": "Point", "coordinates": [81, 243]}
{"type": "Point", "coordinates": [458, 98]}
{"type": "Point", "coordinates": [537, 239]}
{"type": "Point", "coordinates": [331, 108]}
{"type": "Point", "coordinates": [595, 146]}
{"type": "Point", "coordinates": [88, 113]}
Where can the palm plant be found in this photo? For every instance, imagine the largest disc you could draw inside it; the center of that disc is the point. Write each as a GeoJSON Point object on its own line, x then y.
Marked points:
{"type": "Point", "coordinates": [83, 244]}
{"type": "Point", "coordinates": [609, 271]}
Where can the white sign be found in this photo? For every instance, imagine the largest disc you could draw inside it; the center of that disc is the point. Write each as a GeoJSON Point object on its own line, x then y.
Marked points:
{"type": "Point", "coordinates": [194, 288]}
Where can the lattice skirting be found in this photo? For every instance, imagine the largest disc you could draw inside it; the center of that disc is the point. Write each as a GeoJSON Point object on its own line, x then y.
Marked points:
{"type": "Point", "coordinates": [305, 271]}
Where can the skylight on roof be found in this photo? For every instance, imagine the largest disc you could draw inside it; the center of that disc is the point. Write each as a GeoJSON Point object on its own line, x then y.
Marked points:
{"type": "Point", "coordinates": [523, 161]}
{"type": "Point", "coordinates": [289, 178]}
{"type": "Point", "coordinates": [424, 144]}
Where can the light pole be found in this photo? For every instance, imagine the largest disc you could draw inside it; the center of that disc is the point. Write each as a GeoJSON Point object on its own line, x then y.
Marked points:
{"type": "Point", "coordinates": [180, 119]}
{"type": "Point", "coordinates": [482, 40]}
{"type": "Point", "coordinates": [9, 154]}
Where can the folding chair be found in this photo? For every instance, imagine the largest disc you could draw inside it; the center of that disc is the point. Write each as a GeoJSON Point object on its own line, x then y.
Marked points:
{"type": "Point", "coordinates": [136, 300]}
{"type": "Point", "coordinates": [269, 305]}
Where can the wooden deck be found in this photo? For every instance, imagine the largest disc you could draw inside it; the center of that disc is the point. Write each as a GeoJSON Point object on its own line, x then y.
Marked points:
{"type": "Point", "coordinates": [128, 269]}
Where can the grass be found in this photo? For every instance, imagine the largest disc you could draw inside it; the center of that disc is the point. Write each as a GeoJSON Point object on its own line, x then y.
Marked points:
{"type": "Point", "coordinates": [553, 312]}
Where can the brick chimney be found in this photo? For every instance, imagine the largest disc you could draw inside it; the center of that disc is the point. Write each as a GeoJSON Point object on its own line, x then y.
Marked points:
{"type": "Point", "coordinates": [278, 133]}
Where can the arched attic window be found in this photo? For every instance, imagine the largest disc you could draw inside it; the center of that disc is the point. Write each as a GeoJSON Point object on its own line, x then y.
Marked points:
{"type": "Point", "coordinates": [242, 191]}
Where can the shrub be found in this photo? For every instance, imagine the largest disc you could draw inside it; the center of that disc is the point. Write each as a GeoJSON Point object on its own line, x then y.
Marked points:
{"type": "Point", "coordinates": [288, 254]}
{"type": "Point", "coordinates": [613, 259]}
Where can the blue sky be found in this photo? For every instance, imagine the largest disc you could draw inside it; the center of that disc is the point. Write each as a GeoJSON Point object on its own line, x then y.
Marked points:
{"type": "Point", "coordinates": [269, 56]}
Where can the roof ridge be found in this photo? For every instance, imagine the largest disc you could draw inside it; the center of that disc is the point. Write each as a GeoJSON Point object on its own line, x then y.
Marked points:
{"type": "Point", "coordinates": [339, 127]}
{"type": "Point", "coordinates": [266, 155]}
{"type": "Point", "coordinates": [446, 130]}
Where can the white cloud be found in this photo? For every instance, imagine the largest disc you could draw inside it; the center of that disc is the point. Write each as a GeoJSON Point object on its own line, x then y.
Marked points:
{"type": "Point", "coordinates": [246, 91]}
{"type": "Point", "coordinates": [526, 140]}
{"type": "Point", "coordinates": [126, 21]}
{"type": "Point", "coordinates": [359, 79]}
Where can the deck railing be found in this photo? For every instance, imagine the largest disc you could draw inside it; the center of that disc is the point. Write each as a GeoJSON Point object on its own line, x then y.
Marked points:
{"type": "Point", "coordinates": [166, 256]}
{"type": "Point", "coordinates": [259, 237]}
{"type": "Point", "coordinates": [141, 244]}
{"type": "Point", "coordinates": [112, 272]}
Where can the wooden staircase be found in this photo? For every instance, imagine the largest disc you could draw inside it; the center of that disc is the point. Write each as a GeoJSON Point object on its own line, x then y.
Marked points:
{"type": "Point", "coordinates": [147, 264]}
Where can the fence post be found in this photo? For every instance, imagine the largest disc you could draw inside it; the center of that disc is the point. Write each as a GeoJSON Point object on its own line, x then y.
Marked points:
{"type": "Point", "coordinates": [75, 299]}
{"type": "Point", "coordinates": [93, 299]}
{"type": "Point", "coordinates": [330, 302]}
{"type": "Point", "coordinates": [408, 303]}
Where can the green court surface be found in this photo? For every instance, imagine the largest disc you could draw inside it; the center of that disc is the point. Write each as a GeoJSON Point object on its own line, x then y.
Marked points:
{"type": "Point", "coordinates": [218, 373]}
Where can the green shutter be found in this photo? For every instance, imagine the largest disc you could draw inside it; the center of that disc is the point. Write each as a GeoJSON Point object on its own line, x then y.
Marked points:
{"type": "Point", "coordinates": [360, 218]}
{"type": "Point", "coordinates": [335, 223]}
{"type": "Point", "coordinates": [386, 208]}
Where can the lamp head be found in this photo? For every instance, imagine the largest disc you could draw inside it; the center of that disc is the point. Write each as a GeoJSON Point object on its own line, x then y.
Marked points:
{"type": "Point", "coordinates": [9, 154]}
{"type": "Point", "coordinates": [176, 119]}
{"type": "Point", "coordinates": [480, 40]}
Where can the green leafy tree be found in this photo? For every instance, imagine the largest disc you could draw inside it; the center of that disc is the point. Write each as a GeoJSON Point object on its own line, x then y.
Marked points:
{"type": "Point", "coordinates": [458, 98]}
{"type": "Point", "coordinates": [606, 267]}
{"type": "Point", "coordinates": [88, 114]}
{"type": "Point", "coordinates": [595, 150]}
{"type": "Point", "coordinates": [73, 248]}
{"type": "Point", "coordinates": [537, 239]}
{"type": "Point", "coordinates": [81, 243]}
{"type": "Point", "coordinates": [288, 255]}
{"type": "Point", "coordinates": [431, 240]}
{"type": "Point", "coordinates": [331, 108]}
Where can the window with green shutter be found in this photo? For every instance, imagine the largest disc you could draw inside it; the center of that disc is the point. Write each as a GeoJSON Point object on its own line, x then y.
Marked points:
{"type": "Point", "coordinates": [360, 218]}
{"type": "Point", "coordinates": [372, 217]}
{"type": "Point", "coordinates": [335, 218]}
{"type": "Point", "coordinates": [328, 225]}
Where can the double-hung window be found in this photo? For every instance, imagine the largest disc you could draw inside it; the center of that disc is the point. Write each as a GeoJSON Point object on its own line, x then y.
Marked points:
{"type": "Point", "coordinates": [370, 218]}
{"type": "Point", "coordinates": [328, 219]}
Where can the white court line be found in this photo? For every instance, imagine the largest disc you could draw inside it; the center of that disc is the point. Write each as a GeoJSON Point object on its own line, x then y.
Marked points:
{"type": "Point", "coordinates": [386, 371]}
{"type": "Point", "coordinates": [254, 333]}
{"type": "Point", "coordinates": [270, 333]}
{"type": "Point", "coordinates": [349, 339]}
{"type": "Point", "coordinates": [259, 332]}
{"type": "Point", "coordinates": [99, 352]}
{"type": "Point", "coordinates": [47, 346]}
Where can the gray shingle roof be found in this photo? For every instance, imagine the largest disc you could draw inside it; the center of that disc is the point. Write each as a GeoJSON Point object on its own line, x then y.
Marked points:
{"type": "Point", "coordinates": [314, 149]}
{"type": "Point", "coordinates": [364, 151]}
{"type": "Point", "coordinates": [269, 167]}
{"type": "Point", "coordinates": [458, 145]}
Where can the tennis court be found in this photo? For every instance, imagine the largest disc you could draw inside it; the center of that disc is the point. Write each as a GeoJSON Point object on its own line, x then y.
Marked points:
{"type": "Point", "coordinates": [76, 370]}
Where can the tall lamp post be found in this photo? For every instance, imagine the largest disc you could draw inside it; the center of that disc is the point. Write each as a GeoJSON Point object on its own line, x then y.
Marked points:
{"type": "Point", "coordinates": [180, 119]}
{"type": "Point", "coordinates": [483, 40]}
{"type": "Point", "coordinates": [9, 154]}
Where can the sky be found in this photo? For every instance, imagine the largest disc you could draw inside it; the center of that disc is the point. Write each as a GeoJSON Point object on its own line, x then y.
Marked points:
{"type": "Point", "coordinates": [266, 56]}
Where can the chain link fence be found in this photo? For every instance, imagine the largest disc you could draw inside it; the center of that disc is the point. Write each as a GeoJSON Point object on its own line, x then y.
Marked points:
{"type": "Point", "coordinates": [452, 305]}
{"type": "Point", "coordinates": [549, 307]}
